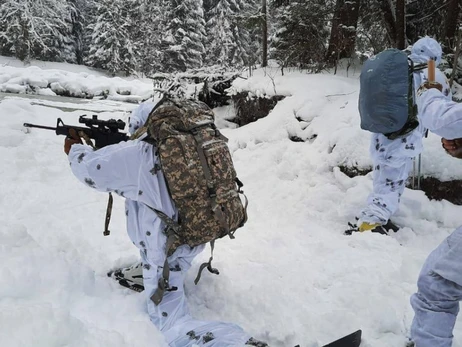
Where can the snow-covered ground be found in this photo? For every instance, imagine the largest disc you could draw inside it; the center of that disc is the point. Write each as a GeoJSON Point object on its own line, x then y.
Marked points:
{"type": "Point", "coordinates": [45, 78]}
{"type": "Point", "coordinates": [290, 276]}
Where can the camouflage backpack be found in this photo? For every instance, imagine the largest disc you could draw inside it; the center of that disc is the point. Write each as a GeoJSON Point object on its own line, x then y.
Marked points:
{"type": "Point", "coordinates": [200, 176]}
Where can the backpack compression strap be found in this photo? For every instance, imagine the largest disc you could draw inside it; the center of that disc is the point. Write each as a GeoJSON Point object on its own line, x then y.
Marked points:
{"type": "Point", "coordinates": [106, 231]}
{"type": "Point", "coordinates": [207, 265]}
{"type": "Point", "coordinates": [163, 285]}
{"type": "Point", "coordinates": [208, 177]}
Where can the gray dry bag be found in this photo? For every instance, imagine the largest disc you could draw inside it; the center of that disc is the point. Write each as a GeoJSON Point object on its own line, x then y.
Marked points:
{"type": "Point", "coordinates": [386, 103]}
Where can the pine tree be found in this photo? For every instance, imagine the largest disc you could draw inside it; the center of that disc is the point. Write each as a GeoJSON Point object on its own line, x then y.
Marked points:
{"type": "Point", "coordinates": [248, 32]}
{"type": "Point", "coordinates": [152, 27]}
{"type": "Point", "coordinates": [14, 29]}
{"type": "Point", "coordinates": [130, 18]}
{"type": "Point", "coordinates": [228, 33]}
{"type": "Point", "coordinates": [111, 48]}
{"type": "Point", "coordinates": [343, 31]}
{"type": "Point", "coordinates": [371, 35]}
{"type": "Point", "coordinates": [34, 29]}
{"type": "Point", "coordinates": [89, 11]}
{"type": "Point", "coordinates": [77, 23]}
{"type": "Point", "coordinates": [183, 44]}
{"type": "Point", "coordinates": [301, 33]}
{"type": "Point", "coordinates": [51, 32]}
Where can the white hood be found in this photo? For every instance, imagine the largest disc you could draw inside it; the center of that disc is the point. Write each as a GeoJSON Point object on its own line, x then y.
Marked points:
{"type": "Point", "coordinates": [140, 115]}
{"type": "Point", "coordinates": [425, 49]}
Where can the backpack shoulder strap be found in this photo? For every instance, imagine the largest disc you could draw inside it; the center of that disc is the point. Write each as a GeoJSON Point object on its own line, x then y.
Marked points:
{"type": "Point", "coordinates": [418, 67]}
{"type": "Point", "coordinates": [412, 121]}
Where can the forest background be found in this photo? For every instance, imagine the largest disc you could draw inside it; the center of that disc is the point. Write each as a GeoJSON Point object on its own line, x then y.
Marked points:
{"type": "Point", "coordinates": [145, 37]}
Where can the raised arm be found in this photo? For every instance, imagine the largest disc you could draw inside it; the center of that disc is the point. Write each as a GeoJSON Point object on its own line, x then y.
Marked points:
{"type": "Point", "coordinates": [438, 114]}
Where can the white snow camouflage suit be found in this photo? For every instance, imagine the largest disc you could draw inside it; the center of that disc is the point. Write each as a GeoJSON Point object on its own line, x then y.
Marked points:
{"type": "Point", "coordinates": [127, 169]}
{"type": "Point", "coordinates": [436, 303]}
{"type": "Point", "coordinates": [392, 159]}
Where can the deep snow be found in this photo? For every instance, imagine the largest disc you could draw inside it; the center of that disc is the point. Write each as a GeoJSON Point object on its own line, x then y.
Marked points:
{"type": "Point", "coordinates": [290, 276]}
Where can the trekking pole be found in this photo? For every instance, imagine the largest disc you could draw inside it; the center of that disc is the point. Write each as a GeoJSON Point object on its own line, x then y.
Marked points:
{"type": "Point", "coordinates": [419, 166]}
{"type": "Point", "coordinates": [431, 79]}
{"type": "Point", "coordinates": [413, 173]}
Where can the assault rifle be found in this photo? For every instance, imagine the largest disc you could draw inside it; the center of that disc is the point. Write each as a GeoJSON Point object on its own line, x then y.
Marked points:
{"type": "Point", "coordinates": [104, 132]}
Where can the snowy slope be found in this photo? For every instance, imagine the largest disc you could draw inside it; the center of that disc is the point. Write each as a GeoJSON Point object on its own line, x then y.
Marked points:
{"type": "Point", "coordinates": [290, 276]}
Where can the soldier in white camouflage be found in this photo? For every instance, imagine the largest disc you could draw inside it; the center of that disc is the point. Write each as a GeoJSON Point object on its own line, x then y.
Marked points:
{"type": "Point", "coordinates": [131, 169]}
{"type": "Point", "coordinates": [392, 158]}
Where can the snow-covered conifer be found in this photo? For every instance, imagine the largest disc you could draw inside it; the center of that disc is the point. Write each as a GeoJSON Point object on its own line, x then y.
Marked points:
{"type": "Point", "coordinates": [34, 29]}
{"type": "Point", "coordinates": [110, 46]}
{"type": "Point", "coordinates": [148, 32]}
{"type": "Point", "coordinates": [221, 26]}
{"type": "Point", "coordinates": [301, 33]}
{"type": "Point", "coordinates": [183, 43]}
{"type": "Point", "coordinates": [77, 21]}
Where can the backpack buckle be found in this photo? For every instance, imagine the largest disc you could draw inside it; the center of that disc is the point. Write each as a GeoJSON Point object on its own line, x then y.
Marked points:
{"type": "Point", "coordinates": [164, 285]}
{"type": "Point", "coordinates": [212, 192]}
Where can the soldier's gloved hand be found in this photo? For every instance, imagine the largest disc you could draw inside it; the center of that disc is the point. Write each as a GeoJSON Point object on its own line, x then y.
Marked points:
{"type": "Point", "coordinates": [429, 85]}
{"type": "Point", "coordinates": [70, 140]}
{"type": "Point", "coordinates": [453, 147]}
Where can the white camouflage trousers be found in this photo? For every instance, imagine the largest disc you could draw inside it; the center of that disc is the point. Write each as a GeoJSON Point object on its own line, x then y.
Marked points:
{"type": "Point", "coordinates": [172, 316]}
{"type": "Point", "coordinates": [436, 303]}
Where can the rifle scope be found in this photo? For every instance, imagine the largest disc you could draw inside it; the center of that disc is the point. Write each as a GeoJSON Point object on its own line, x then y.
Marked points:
{"type": "Point", "coordinates": [94, 121]}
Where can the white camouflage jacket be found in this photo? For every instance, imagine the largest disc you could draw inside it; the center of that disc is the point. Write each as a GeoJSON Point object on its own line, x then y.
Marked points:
{"type": "Point", "coordinates": [392, 159]}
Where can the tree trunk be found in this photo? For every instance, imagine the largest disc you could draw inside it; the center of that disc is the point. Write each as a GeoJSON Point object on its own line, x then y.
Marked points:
{"type": "Point", "coordinates": [390, 20]}
{"type": "Point", "coordinates": [343, 33]}
{"type": "Point", "coordinates": [452, 15]}
{"type": "Point", "coordinates": [400, 24]}
{"type": "Point", "coordinates": [264, 61]}
{"type": "Point", "coordinates": [456, 58]}
{"type": "Point", "coordinates": [22, 46]}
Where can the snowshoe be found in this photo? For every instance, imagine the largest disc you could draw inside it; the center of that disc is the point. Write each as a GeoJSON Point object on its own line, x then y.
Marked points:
{"type": "Point", "coordinates": [410, 343]}
{"type": "Point", "coordinates": [130, 277]}
{"type": "Point", "coordinates": [256, 343]}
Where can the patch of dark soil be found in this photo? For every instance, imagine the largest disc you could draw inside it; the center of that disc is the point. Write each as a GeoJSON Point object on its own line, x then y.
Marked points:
{"type": "Point", "coordinates": [431, 186]}
{"type": "Point", "coordinates": [250, 109]}
{"type": "Point", "coordinates": [438, 190]}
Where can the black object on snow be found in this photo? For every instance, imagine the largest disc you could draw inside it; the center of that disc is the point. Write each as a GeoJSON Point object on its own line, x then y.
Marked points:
{"type": "Point", "coordinates": [351, 340]}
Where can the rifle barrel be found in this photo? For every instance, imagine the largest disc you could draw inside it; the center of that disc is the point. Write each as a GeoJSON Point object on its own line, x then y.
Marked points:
{"type": "Point", "coordinates": [28, 125]}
